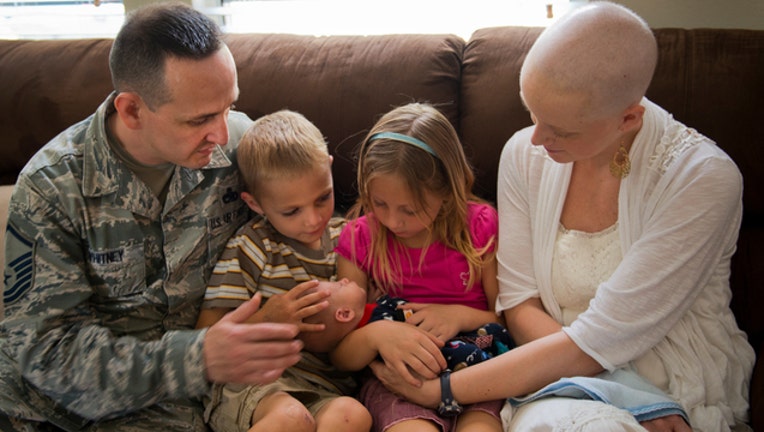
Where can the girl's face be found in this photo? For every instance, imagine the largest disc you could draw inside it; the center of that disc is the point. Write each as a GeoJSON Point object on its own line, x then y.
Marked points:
{"type": "Point", "coordinates": [394, 206]}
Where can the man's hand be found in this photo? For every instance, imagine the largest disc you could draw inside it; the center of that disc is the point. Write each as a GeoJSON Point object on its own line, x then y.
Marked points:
{"type": "Point", "coordinates": [237, 352]}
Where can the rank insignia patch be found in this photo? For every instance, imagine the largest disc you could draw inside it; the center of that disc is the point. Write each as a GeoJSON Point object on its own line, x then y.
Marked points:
{"type": "Point", "coordinates": [19, 268]}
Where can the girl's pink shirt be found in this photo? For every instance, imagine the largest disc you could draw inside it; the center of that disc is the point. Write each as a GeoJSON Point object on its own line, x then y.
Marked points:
{"type": "Point", "coordinates": [443, 276]}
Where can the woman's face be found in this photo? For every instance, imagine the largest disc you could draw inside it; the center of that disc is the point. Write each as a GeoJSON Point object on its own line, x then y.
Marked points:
{"type": "Point", "coordinates": [562, 127]}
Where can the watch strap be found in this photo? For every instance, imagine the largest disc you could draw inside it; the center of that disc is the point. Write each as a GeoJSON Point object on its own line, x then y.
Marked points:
{"type": "Point", "coordinates": [448, 406]}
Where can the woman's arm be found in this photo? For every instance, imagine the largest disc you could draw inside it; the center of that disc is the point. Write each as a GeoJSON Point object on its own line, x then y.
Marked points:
{"type": "Point", "coordinates": [529, 321]}
{"type": "Point", "coordinates": [522, 370]}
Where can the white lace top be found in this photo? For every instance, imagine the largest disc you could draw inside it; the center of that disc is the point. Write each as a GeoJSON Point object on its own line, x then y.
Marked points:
{"type": "Point", "coordinates": [581, 262]}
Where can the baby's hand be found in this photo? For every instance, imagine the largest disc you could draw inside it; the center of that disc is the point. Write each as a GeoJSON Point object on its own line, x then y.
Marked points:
{"type": "Point", "coordinates": [294, 305]}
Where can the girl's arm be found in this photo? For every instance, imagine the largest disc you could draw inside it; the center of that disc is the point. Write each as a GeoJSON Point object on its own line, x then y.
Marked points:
{"type": "Point", "coordinates": [402, 346]}
{"type": "Point", "coordinates": [491, 284]}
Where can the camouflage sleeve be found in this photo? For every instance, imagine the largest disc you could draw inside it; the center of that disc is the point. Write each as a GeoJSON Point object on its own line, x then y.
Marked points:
{"type": "Point", "coordinates": [89, 360]}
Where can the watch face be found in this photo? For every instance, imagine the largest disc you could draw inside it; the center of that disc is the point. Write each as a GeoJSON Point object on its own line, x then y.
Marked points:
{"type": "Point", "coordinates": [450, 409]}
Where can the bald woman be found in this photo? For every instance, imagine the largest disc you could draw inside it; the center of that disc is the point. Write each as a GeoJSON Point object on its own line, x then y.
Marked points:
{"type": "Point", "coordinates": [617, 225]}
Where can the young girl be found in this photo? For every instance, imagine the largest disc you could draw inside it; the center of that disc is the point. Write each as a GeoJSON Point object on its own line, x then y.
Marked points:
{"type": "Point", "coordinates": [417, 231]}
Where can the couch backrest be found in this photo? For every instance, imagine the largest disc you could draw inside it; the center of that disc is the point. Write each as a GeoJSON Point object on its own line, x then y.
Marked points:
{"type": "Point", "coordinates": [709, 79]}
{"type": "Point", "coordinates": [343, 84]}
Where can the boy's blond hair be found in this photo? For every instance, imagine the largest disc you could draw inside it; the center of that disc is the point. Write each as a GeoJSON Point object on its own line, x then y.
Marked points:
{"type": "Point", "coordinates": [279, 145]}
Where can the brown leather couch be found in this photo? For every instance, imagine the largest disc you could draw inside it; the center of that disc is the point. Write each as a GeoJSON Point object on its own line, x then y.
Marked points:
{"type": "Point", "coordinates": [711, 79]}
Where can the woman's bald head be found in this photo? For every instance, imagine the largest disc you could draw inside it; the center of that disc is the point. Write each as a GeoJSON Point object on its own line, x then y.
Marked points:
{"type": "Point", "coordinates": [602, 52]}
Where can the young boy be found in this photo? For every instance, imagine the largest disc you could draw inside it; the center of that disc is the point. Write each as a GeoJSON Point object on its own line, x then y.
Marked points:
{"type": "Point", "coordinates": [348, 310]}
{"type": "Point", "coordinates": [286, 166]}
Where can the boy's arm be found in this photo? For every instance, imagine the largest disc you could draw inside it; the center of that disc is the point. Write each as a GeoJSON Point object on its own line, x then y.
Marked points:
{"type": "Point", "coordinates": [209, 316]}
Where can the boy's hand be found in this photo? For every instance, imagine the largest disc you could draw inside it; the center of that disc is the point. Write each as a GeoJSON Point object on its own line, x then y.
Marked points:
{"type": "Point", "coordinates": [294, 305]}
{"type": "Point", "coordinates": [235, 351]}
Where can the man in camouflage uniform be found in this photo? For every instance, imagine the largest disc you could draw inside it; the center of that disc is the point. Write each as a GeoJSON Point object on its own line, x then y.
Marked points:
{"type": "Point", "coordinates": [114, 228]}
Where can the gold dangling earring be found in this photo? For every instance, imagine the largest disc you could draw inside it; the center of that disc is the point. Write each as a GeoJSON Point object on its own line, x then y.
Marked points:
{"type": "Point", "coordinates": [620, 165]}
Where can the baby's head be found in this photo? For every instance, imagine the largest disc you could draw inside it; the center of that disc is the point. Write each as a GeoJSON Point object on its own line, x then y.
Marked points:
{"type": "Point", "coordinates": [346, 307]}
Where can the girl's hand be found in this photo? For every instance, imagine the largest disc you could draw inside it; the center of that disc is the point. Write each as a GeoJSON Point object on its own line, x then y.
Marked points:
{"type": "Point", "coordinates": [296, 304]}
{"type": "Point", "coordinates": [410, 351]}
{"type": "Point", "coordinates": [438, 320]}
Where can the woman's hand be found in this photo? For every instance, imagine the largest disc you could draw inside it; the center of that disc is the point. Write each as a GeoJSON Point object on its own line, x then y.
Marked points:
{"type": "Point", "coordinates": [672, 423]}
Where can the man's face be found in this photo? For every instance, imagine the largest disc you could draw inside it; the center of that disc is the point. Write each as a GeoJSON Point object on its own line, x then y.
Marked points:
{"type": "Point", "coordinates": [186, 130]}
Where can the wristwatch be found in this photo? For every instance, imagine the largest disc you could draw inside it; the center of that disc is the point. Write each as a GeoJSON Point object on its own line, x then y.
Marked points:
{"type": "Point", "coordinates": [448, 406]}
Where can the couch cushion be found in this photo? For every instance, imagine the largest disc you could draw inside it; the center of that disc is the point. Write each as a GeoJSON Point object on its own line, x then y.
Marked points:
{"type": "Point", "coordinates": [490, 105]}
{"type": "Point", "coordinates": [47, 86]}
{"type": "Point", "coordinates": [343, 84]}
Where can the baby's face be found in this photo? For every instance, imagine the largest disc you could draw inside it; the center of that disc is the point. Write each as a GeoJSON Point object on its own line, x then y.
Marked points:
{"type": "Point", "coordinates": [345, 293]}
{"type": "Point", "coordinates": [346, 307]}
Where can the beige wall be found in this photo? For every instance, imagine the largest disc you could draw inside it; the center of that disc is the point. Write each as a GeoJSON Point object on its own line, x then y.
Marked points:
{"type": "Point", "coordinates": [745, 14]}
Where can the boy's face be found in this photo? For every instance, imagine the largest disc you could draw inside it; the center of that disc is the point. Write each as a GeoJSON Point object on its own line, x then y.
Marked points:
{"type": "Point", "coordinates": [299, 207]}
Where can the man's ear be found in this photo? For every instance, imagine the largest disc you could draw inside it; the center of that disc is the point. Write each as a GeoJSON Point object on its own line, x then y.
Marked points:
{"type": "Point", "coordinates": [344, 314]}
{"type": "Point", "coordinates": [252, 202]}
{"type": "Point", "coordinates": [632, 117]}
{"type": "Point", "coordinates": [129, 107]}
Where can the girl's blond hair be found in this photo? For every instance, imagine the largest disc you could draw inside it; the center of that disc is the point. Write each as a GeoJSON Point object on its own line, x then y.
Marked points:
{"type": "Point", "coordinates": [447, 174]}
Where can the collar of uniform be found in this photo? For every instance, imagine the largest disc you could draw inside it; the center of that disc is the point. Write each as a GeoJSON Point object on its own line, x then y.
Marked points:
{"type": "Point", "coordinates": [100, 165]}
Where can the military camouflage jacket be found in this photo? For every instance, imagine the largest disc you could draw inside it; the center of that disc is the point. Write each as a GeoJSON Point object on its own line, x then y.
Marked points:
{"type": "Point", "coordinates": [103, 283]}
